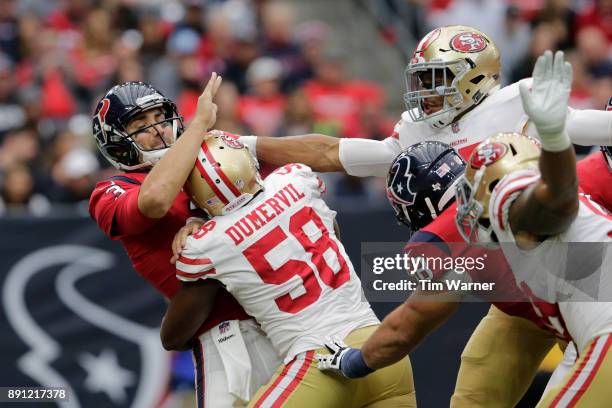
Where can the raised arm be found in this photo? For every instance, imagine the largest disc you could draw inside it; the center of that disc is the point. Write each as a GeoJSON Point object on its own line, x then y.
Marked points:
{"type": "Point", "coordinates": [550, 206]}
{"type": "Point", "coordinates": [166, 179]}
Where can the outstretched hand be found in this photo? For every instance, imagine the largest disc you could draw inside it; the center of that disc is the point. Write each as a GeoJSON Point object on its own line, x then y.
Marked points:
{"type": "Point", "coordinates": [206, 111]}
{"type": "Point", "coordinates": [546, 103]}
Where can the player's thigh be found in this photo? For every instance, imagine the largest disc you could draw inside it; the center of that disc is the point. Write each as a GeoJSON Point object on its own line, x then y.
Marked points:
{"type": "Point", "coordinates": [392, 386]}
{"type": "Point", "coordinates": [300, 384]}
{"type": "Point", "coordinates": [210, 378]}
{"type": "Point", "coordinates": [264, 358]}
{"type": "Point", "coordinates": [499, 361]}
{"type": "Point", "coordinates": [588, 383]}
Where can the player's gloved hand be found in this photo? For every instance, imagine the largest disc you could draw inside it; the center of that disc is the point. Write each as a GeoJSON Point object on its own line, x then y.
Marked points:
{"type": "Point", "coordinates": [343, 360]}
{"type": "Point", "coordinates": [178, 243]}
{"type": "Point", "coordinates": [546, 103]}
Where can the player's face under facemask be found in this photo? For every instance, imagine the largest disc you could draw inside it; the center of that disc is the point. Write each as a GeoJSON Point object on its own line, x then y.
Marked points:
{"type": "Point", "coordinates": [151, 131]}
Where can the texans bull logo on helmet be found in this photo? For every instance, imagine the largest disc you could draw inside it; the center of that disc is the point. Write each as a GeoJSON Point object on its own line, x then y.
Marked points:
{"type": "Point", "coordinates": [400, 181]}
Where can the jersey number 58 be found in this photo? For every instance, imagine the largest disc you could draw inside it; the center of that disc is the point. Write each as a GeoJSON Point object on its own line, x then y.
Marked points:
{"type": "Point", "coordinates": [255, 254]}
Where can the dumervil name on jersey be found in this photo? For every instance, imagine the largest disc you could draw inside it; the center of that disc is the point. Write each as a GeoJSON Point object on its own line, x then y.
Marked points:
{"type": "Point", "coordinates": [264, 213]}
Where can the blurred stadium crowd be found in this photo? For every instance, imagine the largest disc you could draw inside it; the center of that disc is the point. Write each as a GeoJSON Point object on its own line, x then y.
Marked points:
{"type": "Point", "coordinates": [57, 57]}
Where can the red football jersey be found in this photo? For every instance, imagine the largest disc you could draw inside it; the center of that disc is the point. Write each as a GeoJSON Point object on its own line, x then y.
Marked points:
{"type": "Point", "coordinates": [147, 241]}
{"type": "Point", "coordinates": [595, 179]}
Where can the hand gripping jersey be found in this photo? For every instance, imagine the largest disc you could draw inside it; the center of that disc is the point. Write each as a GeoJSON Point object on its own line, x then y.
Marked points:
{"type": "Point", "coordinates": [571, 270]}
{"type": "Point", "coordinates": [280, 258]}
{"type": "Point", "coordinates": [114, 206]}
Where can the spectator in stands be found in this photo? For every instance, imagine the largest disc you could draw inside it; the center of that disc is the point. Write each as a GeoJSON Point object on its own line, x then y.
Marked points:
{"type": "Point", "coordinates": [544, 37]}
{"type": "Point", "coordinates": [278, 40]}
{"type": "Point", "coordinates": [593, 47]}
{"type": "Point", "coordinates": [561, 17]}
{"type": "Point", "coordinates": [581, 96]}
{"type": "Point", "coordinates": [227, 109]}
{"type": "Point", "coordinates": [513, 43]}
{"type": "Point", "coordinates": [74, 176]}
{"type": "Point", "coordinates": [298, 118]}
{"type": "Point", "coordinates": [262, 109]}
{"type": "Point", "coordinates": [312, 37]}
{"type": "Point", "coordinates": [12, 114]}
{"type": "Point", "coordinates": [336, 102]}
{"type": "Point", "coordinates": [17, 193]}
{"type": "Point", "coordinates": [599, 15]}
{"type": "Point", "coordinates": [19, 146]}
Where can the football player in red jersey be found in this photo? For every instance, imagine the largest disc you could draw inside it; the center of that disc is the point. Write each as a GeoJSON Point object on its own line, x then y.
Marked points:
{"type": "Point", "coordinates": [137, 129]}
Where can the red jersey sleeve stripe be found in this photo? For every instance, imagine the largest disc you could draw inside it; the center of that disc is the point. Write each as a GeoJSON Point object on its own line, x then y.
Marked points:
{"type": "Point", "coordinates": [196, 275]}
{"type": "Point", "coordinates": [191, 261]}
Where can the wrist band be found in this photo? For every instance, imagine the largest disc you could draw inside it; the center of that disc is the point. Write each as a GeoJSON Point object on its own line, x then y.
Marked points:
{"type": "Point", "coordinates": [555, 142]}
{"type": "Point", "coordinates": [250, 142]}
{"type": "Point", "coordinates": [353, 365]}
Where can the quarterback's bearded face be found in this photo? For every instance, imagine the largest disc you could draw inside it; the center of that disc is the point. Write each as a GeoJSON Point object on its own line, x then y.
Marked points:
{"type": "Point", "coordinates": [150, 130]}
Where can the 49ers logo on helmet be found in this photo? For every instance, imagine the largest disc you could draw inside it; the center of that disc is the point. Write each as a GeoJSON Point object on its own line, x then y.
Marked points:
{"type": "Point", "coordinates": [468, 42]}
{"type": "Point", "coordinates": [231, 140]}
{"type": "Point", "coordinates": [488, 154]}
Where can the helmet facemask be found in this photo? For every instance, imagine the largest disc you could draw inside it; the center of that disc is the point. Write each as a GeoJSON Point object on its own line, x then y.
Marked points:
{"type": "Point", "coordinates": [470, 212]}
{"type": "Point", "coordinates": [148, 157]}
{"type": "Point", "coordinates": [428, 80]}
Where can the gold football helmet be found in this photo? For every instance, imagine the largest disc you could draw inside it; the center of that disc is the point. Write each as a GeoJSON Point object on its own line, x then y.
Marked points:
{"type": "Point", "coordinates": [452, 69]}
{"type": "Point", "coordinates": [497, 156]}
{"type": "Point", "coordinates": [225, 176]}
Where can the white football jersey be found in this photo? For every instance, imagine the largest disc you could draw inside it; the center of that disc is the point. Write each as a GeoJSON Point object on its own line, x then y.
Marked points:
{"type": "Point", "coordinates": [572, 270]}
{"type": "Point", "coordinates": [501, 111]}
{"type": "Point", "coordinates": [280, 258]}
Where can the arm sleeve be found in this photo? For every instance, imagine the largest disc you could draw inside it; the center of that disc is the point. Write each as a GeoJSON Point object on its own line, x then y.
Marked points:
{"type": "Point", "coordinates": [584, 127]}
{"type": "Point", "coordinates": [114, 206]}
{"type": "Point", "coordinates": [193, 264]}
{"type": "Point", "coordinates": [589, 127]}
{"type": "Point", "coordinates": [364, 157]}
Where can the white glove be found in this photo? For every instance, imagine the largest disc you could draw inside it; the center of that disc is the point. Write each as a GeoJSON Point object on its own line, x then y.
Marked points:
{"type": "Point", "coordinates": [343, 360]}
{"type": "Point", "coordinates": [546, 103]}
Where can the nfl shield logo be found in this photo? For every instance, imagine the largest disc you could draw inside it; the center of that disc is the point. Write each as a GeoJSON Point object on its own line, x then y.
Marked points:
{"type": "Point", "coordinates": [223, 327]}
